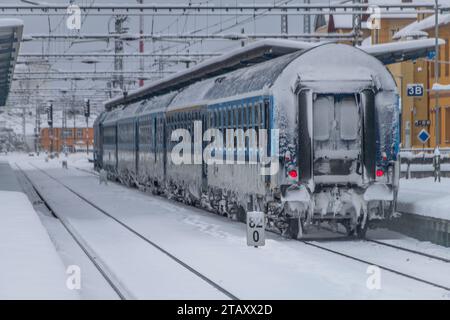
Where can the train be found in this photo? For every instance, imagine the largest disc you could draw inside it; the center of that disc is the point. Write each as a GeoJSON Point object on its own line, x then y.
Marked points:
{"type": "Point", "coordinates": [306, 135]}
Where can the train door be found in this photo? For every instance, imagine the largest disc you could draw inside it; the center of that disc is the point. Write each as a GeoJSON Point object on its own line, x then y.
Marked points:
{"type": "Point", "coordinates": [337, 139]}
{"type": "Point", "coordinates": [305, 130]}
{"type": "Point", "coordinates": [369, 134]}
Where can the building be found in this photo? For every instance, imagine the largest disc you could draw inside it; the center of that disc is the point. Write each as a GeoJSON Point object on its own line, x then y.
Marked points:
{"type": "Point", "coordinates": [74, 139]}
{"type": "Point", "coordinates": [420, 112]}
{"type": "Point", "coordinates": [417, 112]}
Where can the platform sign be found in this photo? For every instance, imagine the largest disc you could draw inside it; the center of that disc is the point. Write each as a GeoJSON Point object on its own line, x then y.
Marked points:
{"type": "Point", "coordinates": [423, 136]}
{"type": "Point", "coordinates": [422, 123]}
{"type": "Point", "coordinates": [256, 236]}
{"type": "Point", "coordinates": [414, 90]}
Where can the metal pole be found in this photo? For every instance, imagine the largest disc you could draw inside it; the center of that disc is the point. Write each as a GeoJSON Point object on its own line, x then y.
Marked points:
{"type": "Point", "coordinates": [307, 20]}
{"type": "Point", "coordinates": [437, 71]}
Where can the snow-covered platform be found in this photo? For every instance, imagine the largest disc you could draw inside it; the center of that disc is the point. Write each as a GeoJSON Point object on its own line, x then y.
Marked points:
{"type": "Point", "coordinates": [425, 210]}
{"type": "Point", "coordinates": [30, 267]}
{"type": "Point", "coordinates": [216, 247]}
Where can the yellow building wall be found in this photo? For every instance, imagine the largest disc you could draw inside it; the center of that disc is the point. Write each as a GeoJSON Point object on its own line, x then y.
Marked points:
{"type": "Point", "coordinates": [420, 71]}
{"type": "Point", "coordinates": [444, 97]}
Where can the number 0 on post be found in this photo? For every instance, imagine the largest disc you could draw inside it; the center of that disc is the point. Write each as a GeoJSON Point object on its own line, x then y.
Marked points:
{"type": "Point", "coordinates": [256, 229]}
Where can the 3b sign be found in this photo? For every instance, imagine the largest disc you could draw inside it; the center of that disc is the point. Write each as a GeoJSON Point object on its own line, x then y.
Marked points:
{"type": "Point", "coordinates": [414, 90]}
{"type": "Point", "coordinates": [256, 229]}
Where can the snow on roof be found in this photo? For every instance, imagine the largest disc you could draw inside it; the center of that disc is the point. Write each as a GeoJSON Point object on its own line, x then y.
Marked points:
{"type": "Point", "coordinates": [253, 53]}
{"type": "Point", "coordinates": [422, 25]}
{"type": "Point", "coordinates": [440, 87]}
{"type": "Point", "coordinates": [366, 42]}
{"type": "Point", "coordinates": [259, 52]}
{"type": "Point", "coordinates": [11, 23]}
{"type": "Point", "coordinates": [402, 50]}
{"type": "Point", "coordinates": [10, 37]}
{"type": "Point", "coordinates": [342, 21]}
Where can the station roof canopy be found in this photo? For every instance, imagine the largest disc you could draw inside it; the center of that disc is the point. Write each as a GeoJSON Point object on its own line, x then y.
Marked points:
{"type": "Point", "coordinates": [262, 51]}
{"type": "Point", "coordinates": [10, 36]}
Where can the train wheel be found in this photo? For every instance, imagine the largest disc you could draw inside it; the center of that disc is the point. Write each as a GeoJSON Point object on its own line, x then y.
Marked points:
{"type": "Point", "coordinates": [295, 228]}
{"type": "Point", "coordinates": [241, 215]}
{"type": "Point", "coordinates": [361, 230]}
{"type": "Point", "coordinates": [350, 228]}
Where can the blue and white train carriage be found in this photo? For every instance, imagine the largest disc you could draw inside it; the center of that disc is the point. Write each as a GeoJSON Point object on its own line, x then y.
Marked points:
{"type": "Point", "coordinates": [331, 110]}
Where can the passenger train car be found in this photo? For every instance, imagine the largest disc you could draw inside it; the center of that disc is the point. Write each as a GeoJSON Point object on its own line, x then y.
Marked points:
{"type": "Point", "coordinates": [330, 113]}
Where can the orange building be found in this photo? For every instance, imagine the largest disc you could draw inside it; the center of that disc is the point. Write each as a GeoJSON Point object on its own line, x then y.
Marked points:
{"type": "Point", "coordinates": [74, 139]}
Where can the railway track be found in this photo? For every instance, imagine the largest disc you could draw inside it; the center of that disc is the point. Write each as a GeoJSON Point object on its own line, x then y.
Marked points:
{"type": "Point", "coordinates": [142, 237]}
{"type": "Point", "coordinates": [373, 263]}
{"type": "Point", "coordinates": [121, 292]}
{"type": "Point", "coordinates": [379, 242]}
{"type": "Point", "coordinates": [322, 246]}
{"type": "Point", "coordinates": [337, 238]}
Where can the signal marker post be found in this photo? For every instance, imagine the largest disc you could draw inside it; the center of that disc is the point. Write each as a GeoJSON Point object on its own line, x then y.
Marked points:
{"type": "Point", "coordinates": [256, 236]}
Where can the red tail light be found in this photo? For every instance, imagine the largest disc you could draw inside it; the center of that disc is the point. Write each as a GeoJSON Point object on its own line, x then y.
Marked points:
{"type": "Point", "coordinates": [379, 173]}
{"type": "Point", "coordinates": [293, 174]}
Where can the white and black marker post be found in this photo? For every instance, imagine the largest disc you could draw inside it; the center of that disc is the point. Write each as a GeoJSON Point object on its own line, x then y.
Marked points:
{"type": "Point", "coordinates": [256, 236]}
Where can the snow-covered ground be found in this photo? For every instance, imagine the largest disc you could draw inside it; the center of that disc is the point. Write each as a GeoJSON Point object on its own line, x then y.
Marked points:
{"type": "Point", "coordinates": [30, 267]}
{"type": "Point", "coordinates": [216, 247]}
{"type": "Point", "coordinates": [425, 197]}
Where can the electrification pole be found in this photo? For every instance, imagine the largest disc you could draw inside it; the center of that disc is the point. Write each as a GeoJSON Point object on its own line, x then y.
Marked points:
{"type": "Point", "coordinates": [307, 20]}
{"type": "Point", "coordinates": [356, 24]}
{"type": "Point", "coordinates": [141, 46]}
{"type": "Point", "coordinates": [50, 124]}
{"type": "Point", "coordinates": [284, 24]}
{"type": "Point", "coordinates": [437, 72]}
{"type": "Point", "coordinates": [118, 50]}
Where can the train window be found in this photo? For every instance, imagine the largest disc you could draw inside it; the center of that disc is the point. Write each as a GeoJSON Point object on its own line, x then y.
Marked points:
{"type": "Point", "coordinates": [241, 116]}
{"type": "Point", "coordinates": [323, 108]}
{"type": "Point", "coordinates": [229, 121]}
{"type": "Point", "coordinates": [257, 114]}
{"type": "Point", "coordinates": [348, 117]}
{"type": "Point", "coordinates": [266, 115]}
{"type": "Point", "coordinates": [245, 116]}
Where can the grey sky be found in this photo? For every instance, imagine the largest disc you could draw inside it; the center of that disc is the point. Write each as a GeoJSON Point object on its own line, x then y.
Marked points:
{"type": "Point", "coordinates": [174, 24]}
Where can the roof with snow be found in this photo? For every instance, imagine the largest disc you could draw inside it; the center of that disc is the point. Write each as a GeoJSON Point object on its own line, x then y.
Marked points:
{"type": "Point", "coordinates": [10, 37]}
{"type": "Point", "coordinates": [425, 24]}
{"type": "Point", "coordinates": [262, 51]}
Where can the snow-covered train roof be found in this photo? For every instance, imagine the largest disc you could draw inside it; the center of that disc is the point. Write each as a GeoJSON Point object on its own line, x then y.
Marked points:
{"type": "Point", "coordinates": [259, 52]}
{"type": "Point", "coordinates": [235, 83]}
{"type": "Point", "coordinates": [252, 54]}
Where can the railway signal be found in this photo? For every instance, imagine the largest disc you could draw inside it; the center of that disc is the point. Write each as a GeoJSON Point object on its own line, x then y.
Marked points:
{"type": "Point", "coordinates": [49, 110]}
{"type": "Point", "coordinates": [87, 108]}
